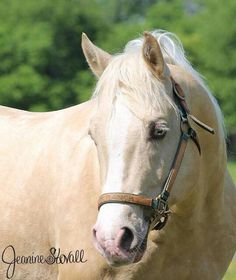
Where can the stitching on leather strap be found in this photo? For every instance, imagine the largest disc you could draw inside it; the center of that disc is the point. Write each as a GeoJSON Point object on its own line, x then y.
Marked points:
{"type": "Point", "coordinates": [124, 198]}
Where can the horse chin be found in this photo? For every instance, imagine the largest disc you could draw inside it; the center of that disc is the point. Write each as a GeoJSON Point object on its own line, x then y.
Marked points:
{"type": "Point", "coordinates": [118, 263]}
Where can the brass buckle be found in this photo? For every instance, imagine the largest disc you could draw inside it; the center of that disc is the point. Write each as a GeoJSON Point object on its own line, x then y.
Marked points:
{"type": "Point", "coordinates": [160, 219]}
{"type": "Point", "coordinates": [161, 211]}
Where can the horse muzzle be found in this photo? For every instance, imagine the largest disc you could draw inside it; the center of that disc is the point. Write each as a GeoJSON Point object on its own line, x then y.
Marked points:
{"type": "Point", "coordinates": [124, 248]}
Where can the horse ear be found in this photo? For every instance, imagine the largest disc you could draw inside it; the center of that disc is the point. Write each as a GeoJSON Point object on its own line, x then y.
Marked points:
{"type": "Point", "coordinates": [96, 57]}
{"type": "Point", "coordinates": [153, 56]}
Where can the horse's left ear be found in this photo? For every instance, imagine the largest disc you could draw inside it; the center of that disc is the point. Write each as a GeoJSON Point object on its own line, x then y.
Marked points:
{"type": "Point", "coordinates": [96, 57]}
{"type": "Point", "coordinates": [153, 56]}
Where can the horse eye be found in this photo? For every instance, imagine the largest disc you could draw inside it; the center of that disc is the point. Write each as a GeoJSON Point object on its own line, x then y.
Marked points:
{"type": "Point", "coordinates": [157, 131]}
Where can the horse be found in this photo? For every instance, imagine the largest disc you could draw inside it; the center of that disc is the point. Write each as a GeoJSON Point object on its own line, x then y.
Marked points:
{"type": "Point", "coordinates": [128, 185]}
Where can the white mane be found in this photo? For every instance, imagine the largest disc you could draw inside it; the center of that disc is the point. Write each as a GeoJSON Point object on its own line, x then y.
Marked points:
{"type": "Point", "coordinates": [128, 68]}
{"type": "Point", "coordinates": [172, 50]}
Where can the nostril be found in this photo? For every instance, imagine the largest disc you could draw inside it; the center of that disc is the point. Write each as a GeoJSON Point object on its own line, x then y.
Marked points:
{"type": "Point", "coordinates": [125, 239]}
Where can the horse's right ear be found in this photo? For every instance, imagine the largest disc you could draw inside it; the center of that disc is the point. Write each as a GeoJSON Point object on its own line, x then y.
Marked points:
{"type": "Point", "coordinates": [153, 56]}
{"type": "Point", "coordinates": [96, 57]}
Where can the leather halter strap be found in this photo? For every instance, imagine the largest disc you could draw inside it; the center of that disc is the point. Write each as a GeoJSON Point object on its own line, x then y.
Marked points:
{"type": "Point", "coordinates": [178, 92]}
{"type": "Point", "coordinates": [159, 204]}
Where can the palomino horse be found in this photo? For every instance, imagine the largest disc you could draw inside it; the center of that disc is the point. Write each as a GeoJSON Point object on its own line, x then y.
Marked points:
{"type": "Point", "coordinates": [145, 132]}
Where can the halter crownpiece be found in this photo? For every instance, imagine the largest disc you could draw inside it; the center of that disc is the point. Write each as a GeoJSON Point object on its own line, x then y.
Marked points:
{"type": "Point", "coordinates": [159, 204]}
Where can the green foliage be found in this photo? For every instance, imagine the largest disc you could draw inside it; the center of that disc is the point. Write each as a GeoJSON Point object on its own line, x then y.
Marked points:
{"type": "Point", "coordinates": [232, 170]}
{"type": "Point", "coordinates": [218, 54]}
{"type": "Point", "coordinates": [231, 272]}
{"type": "Point", "coordinates": [42, 65]}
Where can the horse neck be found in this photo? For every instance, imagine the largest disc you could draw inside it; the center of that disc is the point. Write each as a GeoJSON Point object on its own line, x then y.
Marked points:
{"type": "Point", "coordinates": [207, 196]}
{"type": "Point", "coordinates": [206, 201]}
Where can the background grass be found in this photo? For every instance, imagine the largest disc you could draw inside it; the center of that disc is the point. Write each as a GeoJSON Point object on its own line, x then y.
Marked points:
{"type": "Point", "coordinates": [232, 170]}
{"type": "Point", "coordinates": [231, 272]}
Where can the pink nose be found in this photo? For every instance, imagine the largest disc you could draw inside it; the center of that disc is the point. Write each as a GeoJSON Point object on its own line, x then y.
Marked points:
{"type": "Point", "coordinates": [119, 246]}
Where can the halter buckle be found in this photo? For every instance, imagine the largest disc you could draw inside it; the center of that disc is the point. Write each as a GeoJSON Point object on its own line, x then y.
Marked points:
{"type": "Point", "coordinates": [161, 210]}
{"type": "Point", "coordinates": [159, 204]}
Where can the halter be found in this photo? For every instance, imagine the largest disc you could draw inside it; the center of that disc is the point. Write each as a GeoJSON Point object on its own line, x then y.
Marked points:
{"type": "Point", "coordinates": [159, 204]}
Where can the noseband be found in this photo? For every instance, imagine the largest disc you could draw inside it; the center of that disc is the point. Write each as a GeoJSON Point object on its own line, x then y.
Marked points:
{"type": "Point", "coordinates": [159, 204]}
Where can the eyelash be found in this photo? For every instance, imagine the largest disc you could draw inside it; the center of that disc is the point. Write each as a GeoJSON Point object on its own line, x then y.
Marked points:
{"type": "Point", "coordinates": [157, 131]}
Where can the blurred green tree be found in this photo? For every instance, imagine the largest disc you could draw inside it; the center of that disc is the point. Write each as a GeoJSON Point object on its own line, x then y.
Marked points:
{"type": "Point", "coordinates": [217, 54]}
{"type": "Point", "coordinates": [42, 65]}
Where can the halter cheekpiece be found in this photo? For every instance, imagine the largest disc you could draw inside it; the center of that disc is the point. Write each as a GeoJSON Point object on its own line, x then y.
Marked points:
{"type": "Point", "coordinates": [159, 204]}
